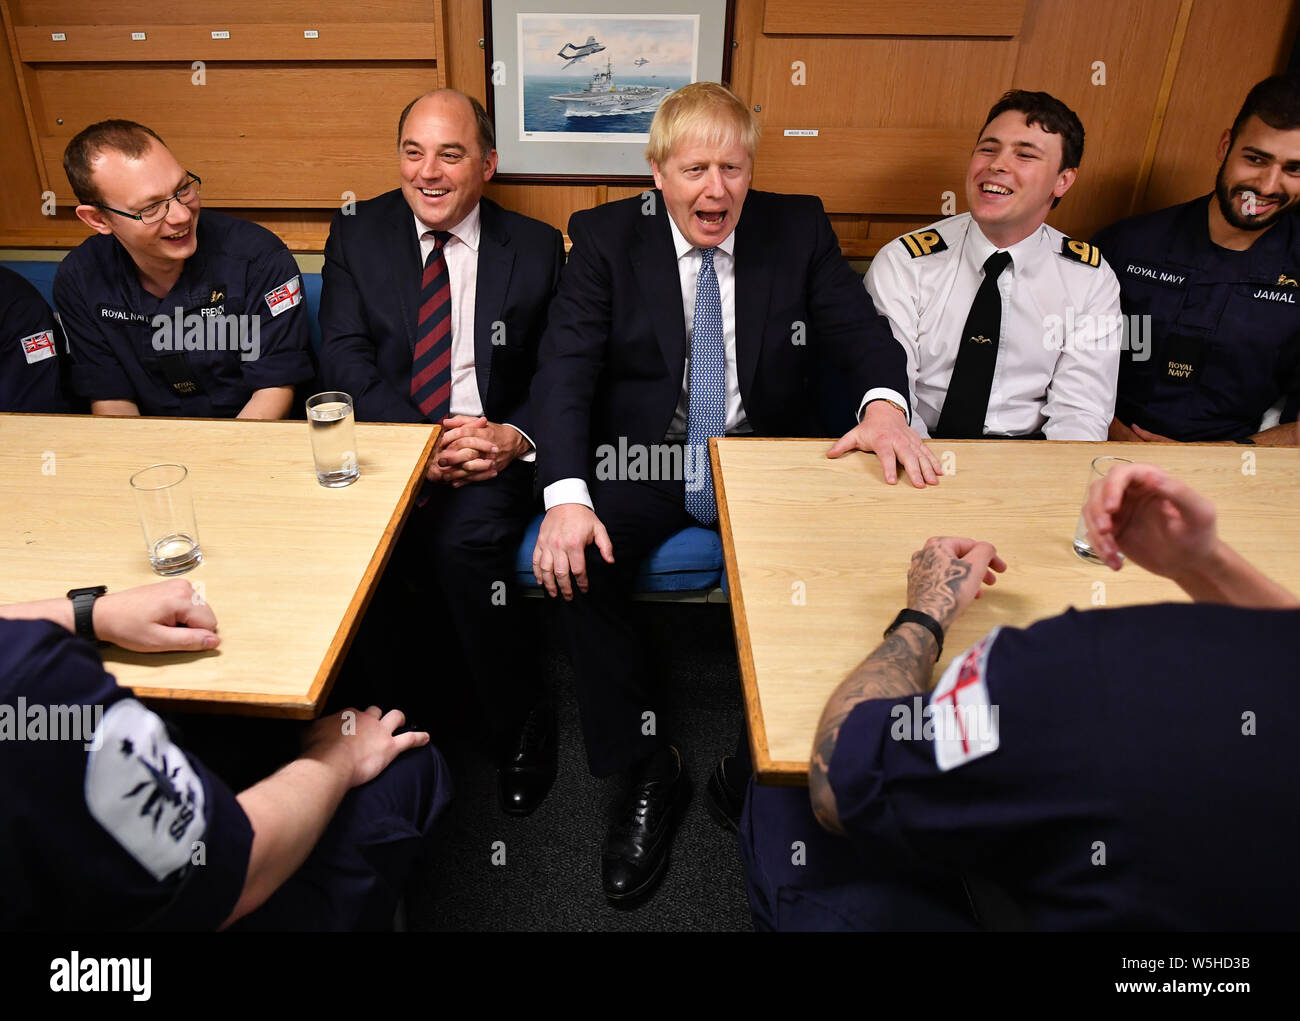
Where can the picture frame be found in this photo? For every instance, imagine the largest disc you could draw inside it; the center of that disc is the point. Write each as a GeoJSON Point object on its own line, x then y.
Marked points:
{"type": "Point", "coordinates": [572, 90]}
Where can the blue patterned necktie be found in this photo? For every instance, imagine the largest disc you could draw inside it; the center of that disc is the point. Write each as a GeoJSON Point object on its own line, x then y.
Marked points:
{"type": "Point", "coordinates": [707, 408]}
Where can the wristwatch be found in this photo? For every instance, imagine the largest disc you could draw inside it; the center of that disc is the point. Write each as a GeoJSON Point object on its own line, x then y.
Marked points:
{"type": "Point", "coordinates": [925, 620]}
{"type": "Point", "coordinates": [83, 609]}
{"type": "Point", "coordinates": [893, 404]}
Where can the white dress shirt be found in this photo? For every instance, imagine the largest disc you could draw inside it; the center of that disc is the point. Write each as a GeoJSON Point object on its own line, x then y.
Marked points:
{"type": "Point", "coordinates": [737, 424]}
{"type": "Point", "coordinates": [1059, 349]}
{"type": "Point", "coordinates": [461, 253]}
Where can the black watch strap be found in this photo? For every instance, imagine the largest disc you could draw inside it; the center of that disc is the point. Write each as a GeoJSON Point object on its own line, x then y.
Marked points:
{"type": "Point", "coordinates": [925, 620]}
{"type": "Point", "coordinates": [83, 609]}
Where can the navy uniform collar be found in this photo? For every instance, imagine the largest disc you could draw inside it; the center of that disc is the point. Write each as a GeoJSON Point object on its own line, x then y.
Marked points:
{"type": "Point", "coordinates": [1260, 263]}
{"type": "Point", "coordinates": [186, 290]}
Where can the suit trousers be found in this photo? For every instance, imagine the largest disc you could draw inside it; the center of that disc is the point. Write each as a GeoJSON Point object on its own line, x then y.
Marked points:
{"type": "Point", "coordinates": [449, 587]}
{"type": "Point", "coordinates": [614, 686]}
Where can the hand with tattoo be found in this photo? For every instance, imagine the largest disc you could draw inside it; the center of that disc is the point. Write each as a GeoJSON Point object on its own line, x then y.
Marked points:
{"type": "Point", "coordinates": [946, 573]}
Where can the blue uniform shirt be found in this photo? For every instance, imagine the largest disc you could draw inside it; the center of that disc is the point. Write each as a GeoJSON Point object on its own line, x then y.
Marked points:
{"type": "Point", "coordinates": [128, 833]}
{"type": "Point", "coordinates": [241, 326]}
{"type": "Point", "coordinates": [1139, 772]}
{"type": "Point", "coordinates": [29, 356]}
{"type": "Point", "coordinates": [1225, 325]}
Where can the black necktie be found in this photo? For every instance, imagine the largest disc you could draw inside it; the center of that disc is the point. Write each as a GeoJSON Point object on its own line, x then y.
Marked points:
{"type": "Point", "coordinates": [967, 401]}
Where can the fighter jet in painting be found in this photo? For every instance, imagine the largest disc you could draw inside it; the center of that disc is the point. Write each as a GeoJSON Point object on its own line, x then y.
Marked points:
{"type": "Point", "coordinates": [578, 52]}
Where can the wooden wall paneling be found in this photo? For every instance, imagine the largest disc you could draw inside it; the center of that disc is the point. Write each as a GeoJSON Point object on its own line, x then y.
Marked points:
{"type": "Point", "coordinates": [22, 91]}
{"type": "Point", "coordinates": [286, 106]}
{"type": "Point", "coordinates": [271, 172]}
{"type": "Point", "coordinates": [202, 12]}
{"type": "Point", "coordinates": [894, 17]}
{"type": "Point", "coordinates": [552, 204]}
{"type": "Point", "coordinates": [463, 55]}
{"type": "Point", "coordinates": [869, 170]}
{"type": "Point", "coordinates": [302, 230]}
{"type": "Point", "coordinates": [21, 221]}
{"type": "Point", "coordinates": [895, 124]}
{"type": "Point", "coordinates": [1062, 40]}
{"type": "Point", "coordinates": [872, 83]}
{"type": "Point", "coordinates": [614, 193]}
{"type": "Point", "coordinates": [1162, 103]}
{"type": "Point", "coordinates": [287, 131]}
{"type": "Point", "coordinates": [280, 41]}
{"type": "Point", "coordinates": [256, 160]}
{"type": "Point", "coordinates": [1227, 50]}
{"type": "Point", "coordinates": [439, 42]}
{"type": "Point", "coordinates": [747, 37]}
{"type": "Point", "coordinates": [880, 230]}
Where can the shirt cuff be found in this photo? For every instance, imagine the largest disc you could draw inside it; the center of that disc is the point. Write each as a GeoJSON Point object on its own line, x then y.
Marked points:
{"type": "Point", "coordinates": [884, 393]}
{"type": "Point", "coordinates": [531, 456]}
{"type": "Point", "coordinates": [567, 491]}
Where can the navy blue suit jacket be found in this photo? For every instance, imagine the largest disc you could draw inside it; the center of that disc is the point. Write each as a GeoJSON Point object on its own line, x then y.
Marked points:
{"type": "Point", "coordinates": [613, 358]}
{"type": "Point", "coordinates": [370, 296]}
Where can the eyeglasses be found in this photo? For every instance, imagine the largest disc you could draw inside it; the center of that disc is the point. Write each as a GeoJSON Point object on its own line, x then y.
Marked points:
{"type": "Point", "coordinates": [186, 193]}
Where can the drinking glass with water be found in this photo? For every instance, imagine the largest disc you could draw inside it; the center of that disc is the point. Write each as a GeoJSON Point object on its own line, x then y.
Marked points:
{"type": "Point", "coordinates": [333, 439]}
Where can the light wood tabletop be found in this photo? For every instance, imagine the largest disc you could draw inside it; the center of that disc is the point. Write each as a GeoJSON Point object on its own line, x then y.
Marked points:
{"type": "Point", "coordinates": [817, 553]}
{"type": "Point", "coordinates": [288, 565]}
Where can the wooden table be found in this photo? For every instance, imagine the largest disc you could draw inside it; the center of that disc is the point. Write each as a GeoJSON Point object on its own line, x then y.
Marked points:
{"type": "Point", "coordinates": [288, 565]}
{"type": "Point", "coordinates": [818, 550]}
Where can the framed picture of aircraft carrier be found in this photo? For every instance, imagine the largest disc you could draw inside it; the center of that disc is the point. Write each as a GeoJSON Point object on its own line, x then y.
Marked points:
{"type": "Point", "coordinates": [574, 84]}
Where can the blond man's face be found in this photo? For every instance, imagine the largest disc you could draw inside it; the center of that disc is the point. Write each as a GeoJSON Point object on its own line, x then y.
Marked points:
{"type": "Point", "coordinates": [704, 186]}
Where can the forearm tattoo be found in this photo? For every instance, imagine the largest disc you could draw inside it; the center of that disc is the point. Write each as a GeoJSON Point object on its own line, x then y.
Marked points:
{"type": "Point", "coordinates": [900, 666]}
{"type": "Point", "coordinates": [934, 582]}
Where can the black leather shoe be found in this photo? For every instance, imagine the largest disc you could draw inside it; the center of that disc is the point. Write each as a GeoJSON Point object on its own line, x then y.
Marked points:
{"type": "Point", "coordinates": [723, 803]}
{"type": "Point", "coordinates": [635, 852]}
{"type": "Point", "coordinates": [525, 776]}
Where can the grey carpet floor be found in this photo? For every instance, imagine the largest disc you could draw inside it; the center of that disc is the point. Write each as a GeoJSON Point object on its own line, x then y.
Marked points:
{"type": "Point", "coordinates": [550, 877]}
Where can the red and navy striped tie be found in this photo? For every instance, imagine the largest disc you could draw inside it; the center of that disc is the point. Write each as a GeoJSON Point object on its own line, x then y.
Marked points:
{"type": "Point", "coordinates": [431, 366]}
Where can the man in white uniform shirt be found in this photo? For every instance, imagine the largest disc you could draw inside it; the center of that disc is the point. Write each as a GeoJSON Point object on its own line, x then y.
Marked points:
{"type": "Point", "coordinates": [1011, 329]}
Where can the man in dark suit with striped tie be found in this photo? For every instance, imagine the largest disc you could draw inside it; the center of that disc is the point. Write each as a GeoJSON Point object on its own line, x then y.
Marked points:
{"type": "Point", "coordinates": [433, 302]}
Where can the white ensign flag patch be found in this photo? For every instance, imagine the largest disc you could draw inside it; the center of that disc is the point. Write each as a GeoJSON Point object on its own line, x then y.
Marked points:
{"type": "Point", "coordinates": [965, 724]}
{"type": "Point", "coordinates": [38, 347]}
{"type": "Point", "coordinates": [284, 297]}
{"type": "Point", "coordinates": [142, 789]}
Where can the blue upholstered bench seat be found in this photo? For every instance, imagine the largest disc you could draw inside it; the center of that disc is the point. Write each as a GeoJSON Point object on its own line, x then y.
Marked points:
{"type": "Point", "coordinates": [690, 561]}
{"type": "Point", "coordinates": [686, 562]}
{"type": "Point", "coordinates": [38, 274]}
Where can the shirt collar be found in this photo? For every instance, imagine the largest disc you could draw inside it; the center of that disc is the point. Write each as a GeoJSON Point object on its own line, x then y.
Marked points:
{"type": "Point", "coordinates": [467, 231]}
{"type": "Point", "coordinates": [979, 248]}
{"type": "Point", "coordinates": [727, 244]}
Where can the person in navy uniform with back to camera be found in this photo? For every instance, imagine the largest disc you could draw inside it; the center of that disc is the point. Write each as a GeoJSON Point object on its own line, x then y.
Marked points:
{"type": "Point", "coordinates": [1219, 279]}
{"type": "Point", "coordinates": [1110, 769]}
{"type": "Point", "coordinates": [165, 315]}
{"type": "Point", "coordinates": [433, 301]}
{"type": "Point", "coordinates": [106, 822]}
{"type": "Point", "coordinates": [29, 349]}
{"type": "Point", "coordinates": [697, 310]}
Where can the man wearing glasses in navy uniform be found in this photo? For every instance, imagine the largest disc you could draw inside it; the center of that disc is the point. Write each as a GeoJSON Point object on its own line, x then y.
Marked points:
{"type": "Point", "coordinates": [163, 319]}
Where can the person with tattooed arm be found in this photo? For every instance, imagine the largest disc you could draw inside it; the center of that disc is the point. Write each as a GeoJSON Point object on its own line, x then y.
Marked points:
{"type": "Point", "coordinates": [1025, 799]}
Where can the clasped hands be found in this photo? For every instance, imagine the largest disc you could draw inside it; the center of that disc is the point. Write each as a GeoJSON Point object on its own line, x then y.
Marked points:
{"type": "Point", "coordinates": [474, 450]}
